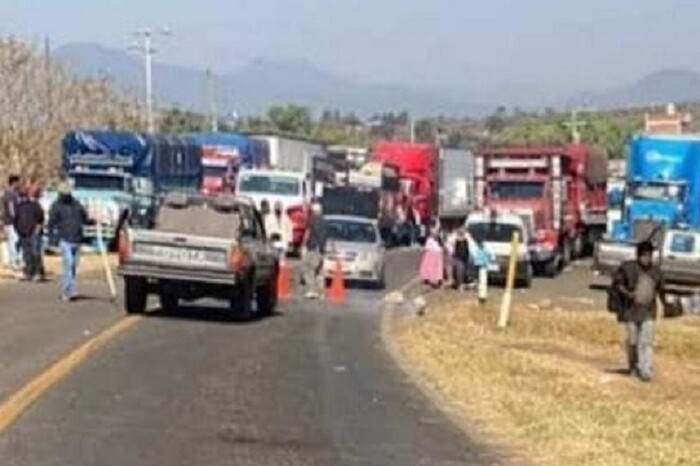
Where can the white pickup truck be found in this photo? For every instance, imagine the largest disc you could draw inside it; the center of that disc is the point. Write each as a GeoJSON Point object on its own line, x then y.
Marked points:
{"type": "Point", "coordinates": [201, 247]}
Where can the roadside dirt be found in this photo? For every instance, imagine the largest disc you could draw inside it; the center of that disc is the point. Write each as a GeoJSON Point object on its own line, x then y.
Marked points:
{"type": "Point", "coordinates": [552, 385]}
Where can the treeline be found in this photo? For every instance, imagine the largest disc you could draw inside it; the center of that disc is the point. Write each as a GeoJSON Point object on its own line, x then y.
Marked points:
{"type": "Point", "coordinates": [40, 101]}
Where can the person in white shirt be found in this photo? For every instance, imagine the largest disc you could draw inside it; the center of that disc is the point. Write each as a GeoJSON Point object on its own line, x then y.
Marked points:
{"type": "Point", "coordinates": [278, 228]}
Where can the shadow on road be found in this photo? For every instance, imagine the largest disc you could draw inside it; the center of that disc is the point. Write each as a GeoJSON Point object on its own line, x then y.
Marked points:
{"type": "Point", "coordinates": [207, 314]}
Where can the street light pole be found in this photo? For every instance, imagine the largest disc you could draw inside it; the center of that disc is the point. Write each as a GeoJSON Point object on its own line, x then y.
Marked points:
{"type": "Point", "coordinates": [147, 50]}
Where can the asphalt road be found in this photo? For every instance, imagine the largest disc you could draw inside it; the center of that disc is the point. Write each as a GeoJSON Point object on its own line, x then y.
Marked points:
{"type": "Point", "coordinates": [311, 385]}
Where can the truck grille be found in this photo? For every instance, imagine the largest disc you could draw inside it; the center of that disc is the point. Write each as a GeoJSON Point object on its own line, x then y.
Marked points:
{"type": "Point", "coordinates": [648, 230]}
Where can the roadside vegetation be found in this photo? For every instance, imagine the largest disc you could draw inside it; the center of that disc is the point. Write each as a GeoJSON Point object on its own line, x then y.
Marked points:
{"type": "Point", "coordinates": [551, 384]}
{"type": "Point", "coordinates": [40, 101]}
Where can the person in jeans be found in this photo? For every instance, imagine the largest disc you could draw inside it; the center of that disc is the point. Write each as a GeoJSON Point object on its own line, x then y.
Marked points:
{"type": "Point", "coordinates": [67, 218]}
{"type": "Point", "coordinates": [29, 222]}
{"type": "Point", "coordinates": [9, 203]}
{"type": "Point", "coordinates": [639, 283]}
{"type": "Point", "coordinates": [314, 250]}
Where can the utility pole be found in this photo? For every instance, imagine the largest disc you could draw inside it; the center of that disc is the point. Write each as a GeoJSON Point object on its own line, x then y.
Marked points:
{"type": "Point", "coordinates": [211, 91]}
{"type": "Point", "coordinates": [145, 47]}
{"type": "Point", "coordinates": [47, 77]}
{"type": "Point", "coordinates": [574, 124]}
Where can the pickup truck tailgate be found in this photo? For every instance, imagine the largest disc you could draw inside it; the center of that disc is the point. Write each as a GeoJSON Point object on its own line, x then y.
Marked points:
{"type": "Point", "coordinates": [171, 256]}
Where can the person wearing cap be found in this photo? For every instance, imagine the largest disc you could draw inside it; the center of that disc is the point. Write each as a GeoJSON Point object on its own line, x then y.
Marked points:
{"type": "Point", "coordinates": [640, 282]}
{"type": "Point", "coordinates": [29, 222]}
{"type": "Point", "coordinates": [313, 252]}
{"type": "Point", "coordinates": [67, 217]}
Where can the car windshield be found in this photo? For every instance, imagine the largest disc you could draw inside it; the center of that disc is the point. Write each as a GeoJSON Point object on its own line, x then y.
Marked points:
{"type": "Point", "coordinates": [493, 232]}
{"type": "Point", "coordinates": [350, 231]}
{"type": "Point", "coordinates": [517, 190]}
{"type": "Point", "coordinates": [101, 182]}
{"type": "Point", "coordinates": [269, 184]}
{"type": "Point", "coordinates": [656, 192]}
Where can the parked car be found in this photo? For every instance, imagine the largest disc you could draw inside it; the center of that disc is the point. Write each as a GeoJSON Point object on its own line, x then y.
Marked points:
{"type": "Point", "coordinates": [356, 243]}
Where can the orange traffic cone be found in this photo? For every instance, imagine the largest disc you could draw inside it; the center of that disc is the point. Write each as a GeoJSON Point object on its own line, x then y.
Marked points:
{"type": "Point", "coordinates": [284, 282]}
{"type": "Point", "coordinates": [336, 293]}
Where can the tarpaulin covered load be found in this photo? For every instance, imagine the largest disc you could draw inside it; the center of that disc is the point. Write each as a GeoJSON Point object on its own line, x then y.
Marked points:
{"type": "Point", "coordinates": [170, 161]}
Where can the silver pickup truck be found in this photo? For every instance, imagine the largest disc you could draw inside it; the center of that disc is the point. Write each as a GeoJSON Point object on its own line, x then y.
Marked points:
{"type": "Point", "coordinates": [201, 247]}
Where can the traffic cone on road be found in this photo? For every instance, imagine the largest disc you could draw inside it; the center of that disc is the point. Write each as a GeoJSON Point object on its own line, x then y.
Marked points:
{"type": "Point", "coordinates": [284, 282]}
{"type": "Point", "coordinates": [336, 293]}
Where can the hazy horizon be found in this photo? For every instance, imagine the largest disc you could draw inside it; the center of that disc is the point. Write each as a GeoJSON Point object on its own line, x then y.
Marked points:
{"type": "Point", "coordinates": [533, 49]}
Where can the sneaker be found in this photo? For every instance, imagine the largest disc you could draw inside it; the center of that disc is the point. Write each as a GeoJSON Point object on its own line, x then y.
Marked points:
{"type": "Point", "coordinates": [311, 295]}
{"type": "Point", "coordinates": [645, 378]}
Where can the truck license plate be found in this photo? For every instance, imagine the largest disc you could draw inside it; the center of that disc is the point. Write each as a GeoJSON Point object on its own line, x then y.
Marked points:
{"type": "Point", "coordinates": [179, 254]}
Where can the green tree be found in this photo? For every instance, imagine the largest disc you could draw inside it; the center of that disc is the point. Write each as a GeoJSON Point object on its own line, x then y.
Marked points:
{"type": "Point", "coordinates": [293, 119]}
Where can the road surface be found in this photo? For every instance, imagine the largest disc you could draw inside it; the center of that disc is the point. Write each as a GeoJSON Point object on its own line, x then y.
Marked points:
{"type": "Point", "coordinates": [309, 386]}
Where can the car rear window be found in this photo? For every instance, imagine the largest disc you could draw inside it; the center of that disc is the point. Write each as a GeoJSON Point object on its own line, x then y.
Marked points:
{"type": "Point", "coordinates": [202, 220]}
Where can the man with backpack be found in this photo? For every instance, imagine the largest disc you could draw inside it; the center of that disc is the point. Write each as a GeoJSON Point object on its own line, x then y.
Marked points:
{"type": "Point", "coordinates": [635, 288]}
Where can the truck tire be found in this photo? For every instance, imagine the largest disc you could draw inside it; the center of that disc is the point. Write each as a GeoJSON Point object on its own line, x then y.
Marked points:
{"type": "Point", "coordinates": [266, 296]}
{"type": "Point", "coordinates": [566, 253]}
{"type": "Point", "coordinates": [136, 295]}
{"type": "Point", "coordinates": [526, 280]}
{"type": "Point", "coordinates": [579, 247]}
{"type": "Point", "coordinates": [242, 300]}
{"type": "Point", "coordinates": [551, 268]}
{"type": "Point", "coordinates": [169, 301]}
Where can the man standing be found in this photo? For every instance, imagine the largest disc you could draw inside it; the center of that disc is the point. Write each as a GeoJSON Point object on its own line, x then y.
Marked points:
{"type": "Point", "coordinates": [278, 229]}
{"type": "Point", "coordinates": [29, 221]}
{"type": "Point", "coordinates": [460, 260]}
{"type": "Point", "coordinates": [314, 250]}
{"type": "Point", "coordinates": [66, 220]}
{"type": "Point", "coordinates": [9, 201]}
{"type": "Point", "coordinates": [639, 283]}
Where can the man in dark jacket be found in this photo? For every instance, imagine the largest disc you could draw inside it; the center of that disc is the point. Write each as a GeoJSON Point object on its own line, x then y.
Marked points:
{"type": "Point", "coordinates": [29, 221]}
{"type": "Point", "coordinates": [67, 218]}
{"type": "Point", "coordinates": [460, 260]}
{"type": "Point", "coordinates": [640, 283]}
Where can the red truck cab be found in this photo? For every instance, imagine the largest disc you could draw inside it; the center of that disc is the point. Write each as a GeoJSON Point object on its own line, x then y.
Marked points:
{"type": "Point", "coordinates": [219, 168]}
{"type": "Point", "coordinates": [559, 189]}
{"type": "Point", "coordinates": [417, 166]}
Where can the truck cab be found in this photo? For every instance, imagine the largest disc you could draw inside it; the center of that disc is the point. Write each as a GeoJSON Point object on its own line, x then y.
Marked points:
{"type": "Point", "coordinates": [494, 231]}
{"type": "Point", "coordinates": [291, 189]}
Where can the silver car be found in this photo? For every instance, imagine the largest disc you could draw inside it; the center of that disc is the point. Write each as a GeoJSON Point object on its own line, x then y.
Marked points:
{"type": "Point", "coordinates": [355, 243]}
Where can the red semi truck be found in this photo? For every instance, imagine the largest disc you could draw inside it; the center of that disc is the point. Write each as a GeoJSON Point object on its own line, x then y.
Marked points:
{"type": "Point", "coordinates": [559, 190]}
{"type": "Point", "coordinates": [418, 171]}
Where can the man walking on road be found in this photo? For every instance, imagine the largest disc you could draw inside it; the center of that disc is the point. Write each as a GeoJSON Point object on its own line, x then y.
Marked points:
{"type": "Point", "coordinates": [9, 200]}
{"type": "Point", "coordinates": [314, 250]}
{"type": "Point", "coordinates": [66, 220]}
{"type": "Point", "coordinates": [29, 222]}
{"type": "Point", "coordinates": [639, 283]}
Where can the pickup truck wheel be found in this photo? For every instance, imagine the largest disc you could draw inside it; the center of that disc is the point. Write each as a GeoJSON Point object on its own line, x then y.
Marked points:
{"type": "Point", "coordinates": [242, 300]}
{"type": "Point", "coordinates": [135, 290]}
{"type": "Point", "coordinates": [566, 253]}
{"type": "Point", "coordinates": [551, 268]}
{"type": "Point", "coordinates": [169, 302]}
{"type": "Point", "coordinates": [266, 297]}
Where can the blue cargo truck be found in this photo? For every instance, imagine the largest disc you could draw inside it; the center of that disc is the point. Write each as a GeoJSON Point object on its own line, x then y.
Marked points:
{"type": "Point", "coordinates": [661, 203]}
{"type": "Point", "coordinates": [122, 175]}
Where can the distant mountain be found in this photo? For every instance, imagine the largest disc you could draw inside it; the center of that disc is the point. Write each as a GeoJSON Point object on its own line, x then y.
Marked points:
{"type": "Point", "coordinates": [256, 86]}
{"type": "Point", "coordinates": [661, 87]}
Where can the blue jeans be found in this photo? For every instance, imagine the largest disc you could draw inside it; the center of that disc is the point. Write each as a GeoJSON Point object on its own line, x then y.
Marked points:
{"type": "Point", "coordinates": [640, 337]}
{"type": "Point", "coordinates": [70, 258]}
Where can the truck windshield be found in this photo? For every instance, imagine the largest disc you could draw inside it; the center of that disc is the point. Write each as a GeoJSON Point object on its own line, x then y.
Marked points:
{"type": "Point", "coordinates": [517, 190]}
{"type": "Point", "coordinates": [99, 181]}
{"type": "Point", "coordinates": [657, 192]}
{"type": "Point", "coordinates": [213, 172]}
{"type": "Point", "coordinates": [492, 232]}
{"type": "Point", "coordinates": [354, 232]}
{"type": "Point", "coordinates": [269, 184]}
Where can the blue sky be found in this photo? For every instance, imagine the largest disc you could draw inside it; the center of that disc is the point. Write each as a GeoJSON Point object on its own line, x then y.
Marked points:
{"type": "Point", "coordinates": [557, 46]}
